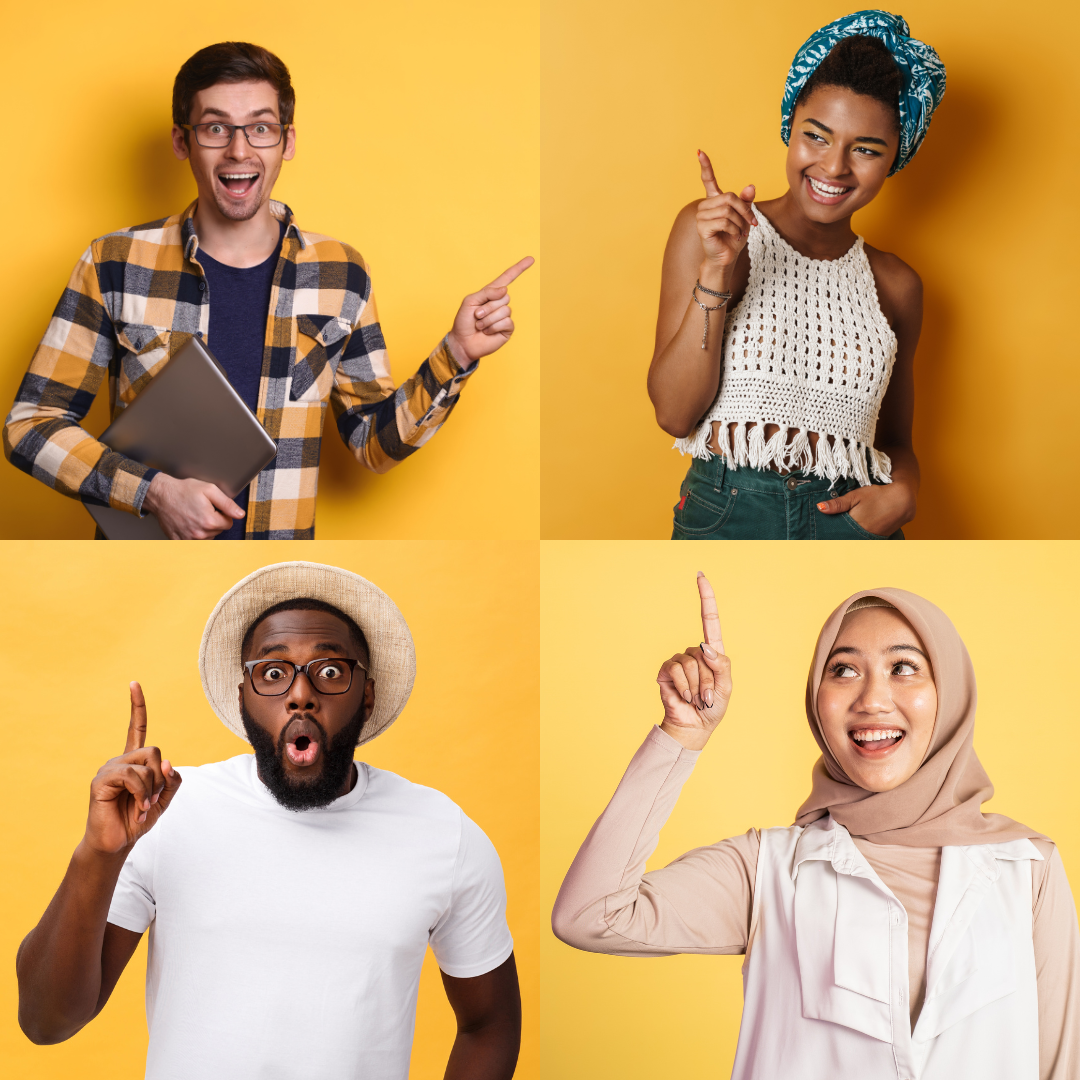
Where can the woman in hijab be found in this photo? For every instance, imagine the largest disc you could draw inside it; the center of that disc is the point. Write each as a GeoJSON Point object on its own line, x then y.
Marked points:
{"type": "Point", "coordinates": [894, 931]}
{"type": "Point", "coordinates": [785, 346]}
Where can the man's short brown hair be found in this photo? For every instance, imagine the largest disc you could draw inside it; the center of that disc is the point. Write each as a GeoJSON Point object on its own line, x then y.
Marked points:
{"type": "Point", "coordinates": [231, 62]}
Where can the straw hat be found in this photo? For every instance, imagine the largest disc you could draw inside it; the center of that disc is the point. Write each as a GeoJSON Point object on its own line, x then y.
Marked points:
{"type": "Point", "coordinates": [393, 659]}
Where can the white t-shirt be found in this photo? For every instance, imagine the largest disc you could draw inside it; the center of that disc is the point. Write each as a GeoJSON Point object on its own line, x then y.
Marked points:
{"type": "Point", "coordinates": [288, 945]}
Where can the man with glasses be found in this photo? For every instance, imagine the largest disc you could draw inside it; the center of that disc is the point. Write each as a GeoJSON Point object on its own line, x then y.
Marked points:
{"type": "Point", "coordinates": [289, 314]}
{"type": "Point", "coordinates": [290, 895]}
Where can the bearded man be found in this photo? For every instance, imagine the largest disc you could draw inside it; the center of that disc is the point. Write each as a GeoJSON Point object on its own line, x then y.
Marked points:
{"type": "Point", "coordinates": [290, 894]}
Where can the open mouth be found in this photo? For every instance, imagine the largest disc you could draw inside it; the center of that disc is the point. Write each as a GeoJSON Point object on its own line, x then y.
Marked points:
{"type": "Point", "coordinates": [238, 184]}
{"type": "Point", "coordinates": [829, 194]}
{"type": "Point", "coordinates": [302, 750]}
{"type": "Point", "coordinates": [874, 741]}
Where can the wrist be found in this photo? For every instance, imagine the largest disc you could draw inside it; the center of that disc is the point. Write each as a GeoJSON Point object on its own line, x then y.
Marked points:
{"type": "Point", "coordinates": [93, 861]}
{"type": "Point", "coordinates": [689, 738]}
{"type": "Point", "coordinates": [457, 351]}
{"type": "Point", "coordinates": [155, 493]}
{"type": "Point", "coordinates": [715, 277]}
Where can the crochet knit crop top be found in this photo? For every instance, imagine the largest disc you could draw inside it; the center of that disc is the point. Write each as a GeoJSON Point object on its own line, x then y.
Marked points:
{"type": "Point", "coordinates": [808, 349]}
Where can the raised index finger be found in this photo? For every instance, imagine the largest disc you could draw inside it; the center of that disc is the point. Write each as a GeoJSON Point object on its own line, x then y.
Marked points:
{"type": "Point", "coordinates": [516, 270]}
{"type": "Point", "coordinates": [710, 617]}
{"type": "Point", "coordinates": [708, 177]}
{"type": "Point", "coordinates": [136, 733]}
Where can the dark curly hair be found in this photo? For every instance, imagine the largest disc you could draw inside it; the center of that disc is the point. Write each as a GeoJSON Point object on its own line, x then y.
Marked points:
{"type": "Point", "coordinates": [231, 62]}
{"type": "Point", "coordinates": [862, 64]}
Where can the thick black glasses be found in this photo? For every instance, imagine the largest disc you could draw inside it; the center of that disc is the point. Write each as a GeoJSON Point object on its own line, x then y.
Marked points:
{"type": "Point", "coordinates": [216, 135]}
{"type": "Point", "coordinates": [272, 678]}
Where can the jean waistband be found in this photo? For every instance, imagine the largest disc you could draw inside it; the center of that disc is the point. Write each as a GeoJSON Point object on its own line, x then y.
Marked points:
{"type": "Point", "coordinates": [718, 472]}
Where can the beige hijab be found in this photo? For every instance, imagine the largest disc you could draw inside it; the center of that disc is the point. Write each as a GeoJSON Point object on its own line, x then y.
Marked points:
{"type": "Point", "coordinates": [940, 804]}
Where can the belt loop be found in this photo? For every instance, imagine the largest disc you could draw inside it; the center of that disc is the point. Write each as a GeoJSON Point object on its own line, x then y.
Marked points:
{"type": "Point", "coordinates": [719, 472]}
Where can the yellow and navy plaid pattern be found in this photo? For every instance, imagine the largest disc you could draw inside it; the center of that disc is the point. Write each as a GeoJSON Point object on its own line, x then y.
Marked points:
{"type": "Point", "coordinates": [138, 295]}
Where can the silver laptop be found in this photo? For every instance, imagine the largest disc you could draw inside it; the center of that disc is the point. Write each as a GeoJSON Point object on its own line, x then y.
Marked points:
{"type": "Point", "coordinates": [190, 423]}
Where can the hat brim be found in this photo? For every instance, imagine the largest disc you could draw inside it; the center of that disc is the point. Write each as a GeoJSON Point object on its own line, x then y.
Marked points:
{"type": "Point", "coordinates": [393, 658]}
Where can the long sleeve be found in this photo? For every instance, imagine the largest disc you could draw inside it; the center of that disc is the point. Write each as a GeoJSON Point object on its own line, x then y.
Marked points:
{"type": "Point", "coordinates": [1057, 967]}
{"type": "Point", "coordinates": [380, 423]}
{"type": "Point", "coordinates": [42, 435]}
{"type": "Point", "coordinates": [700, 903]}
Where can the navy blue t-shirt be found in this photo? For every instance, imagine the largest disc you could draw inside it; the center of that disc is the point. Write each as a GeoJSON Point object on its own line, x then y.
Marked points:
{"type": "Point", "coordinates": [239, 307]}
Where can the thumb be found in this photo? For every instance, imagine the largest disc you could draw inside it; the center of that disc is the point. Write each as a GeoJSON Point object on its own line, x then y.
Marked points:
{"type": "Point", "coordinates": [220, 501]}
{"type": "Point", "coordinates": [747, 194]}
{"type": "Point", "coordinates": [172, 785]}
{"type": "Point", "coordinates": [840, 505]}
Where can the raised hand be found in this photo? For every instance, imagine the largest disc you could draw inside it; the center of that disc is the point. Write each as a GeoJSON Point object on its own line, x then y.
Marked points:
{"type": "Point", "coordinates": [130, 792]}
{"type": "Point", "coordinates": [695, 685]}
{"type": "Point", "coordinates": [483, 323]}
{"type": "Point", "coordinates": [724, 219]}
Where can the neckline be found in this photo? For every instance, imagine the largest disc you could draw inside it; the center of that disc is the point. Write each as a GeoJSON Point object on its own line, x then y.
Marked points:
{"type": "Point", "coordinates": [851, 252]}
{"type": "Point", "coordinates": [343, 802]}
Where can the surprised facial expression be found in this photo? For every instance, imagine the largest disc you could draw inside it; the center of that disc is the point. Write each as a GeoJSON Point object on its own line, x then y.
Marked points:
{"type": "Point", "coordinates": [878, 701]}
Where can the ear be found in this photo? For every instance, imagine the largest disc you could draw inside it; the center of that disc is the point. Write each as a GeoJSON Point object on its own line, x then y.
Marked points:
{"type": "Point", "coordinates": [179, 143]}
{"type": "Point", "coordinates": [290, 144]}
{"type": "Point", "coordinates": [369, 696]}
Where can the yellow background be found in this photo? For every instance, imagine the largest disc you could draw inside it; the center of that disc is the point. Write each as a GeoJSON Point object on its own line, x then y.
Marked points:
{"type": "Point", "coordinates": [612, 613]}
{"type": "Point", "coordinates": [80, 622]}
{"type": "Point", "coordinates": [985, 213]}
{"type": "Point", "coordinates": [416, 144]}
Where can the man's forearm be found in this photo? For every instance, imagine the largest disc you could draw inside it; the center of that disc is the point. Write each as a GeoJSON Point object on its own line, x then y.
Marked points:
{"type": "Point", "coordinates": [59, 962]}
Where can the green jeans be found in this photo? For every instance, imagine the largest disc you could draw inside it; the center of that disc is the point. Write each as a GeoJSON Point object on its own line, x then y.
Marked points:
{"type": "Point", "coordinates": [719, 503]}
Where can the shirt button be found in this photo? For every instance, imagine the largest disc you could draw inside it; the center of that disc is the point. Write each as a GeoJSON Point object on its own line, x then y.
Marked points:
{"type": "Point", "coordinates": [791, 484]}
{"type": "Point", "coordinates": [202, 286]}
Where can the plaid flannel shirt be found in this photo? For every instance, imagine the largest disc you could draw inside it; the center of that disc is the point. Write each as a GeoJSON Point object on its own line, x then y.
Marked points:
{"type": "Point", "coordinates": [138, 295]}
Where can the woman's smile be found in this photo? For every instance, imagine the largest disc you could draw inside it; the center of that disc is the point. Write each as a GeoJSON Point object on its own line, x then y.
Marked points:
{"type": "Point", "coordinates": [876, 743]}
{"type": "Point", "coordinates": [830, 194]}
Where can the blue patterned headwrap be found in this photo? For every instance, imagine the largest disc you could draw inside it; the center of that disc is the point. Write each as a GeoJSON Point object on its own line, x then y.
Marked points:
{"type": "Point", "coordinates": [921, 70]}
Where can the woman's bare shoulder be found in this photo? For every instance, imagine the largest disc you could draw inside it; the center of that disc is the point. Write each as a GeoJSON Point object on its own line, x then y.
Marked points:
{"type": "Point", "coordinates": [900, 289]}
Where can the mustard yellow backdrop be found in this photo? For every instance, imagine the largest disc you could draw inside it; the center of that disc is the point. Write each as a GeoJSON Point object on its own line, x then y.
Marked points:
{"type": "Point", "coordinates": [416, 144]}
{"type": "Point", "coordinates": [613, 612]}
{"type": "Point", "coordinates": [986, 213]}
{"type": "Point", "coordinates": [80, 622]}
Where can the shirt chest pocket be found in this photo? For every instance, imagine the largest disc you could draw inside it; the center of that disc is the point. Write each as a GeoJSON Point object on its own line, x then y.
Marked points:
{"type": "Point", "coordinates": [145, 348]}
{"type": "Point", "coordinates": [320, 342]}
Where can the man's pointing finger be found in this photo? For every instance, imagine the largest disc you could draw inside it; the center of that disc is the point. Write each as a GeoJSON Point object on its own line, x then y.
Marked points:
{"type": "Point", "coordinates": [136, 733]}
{"type": "Point", "coordinates": [515, 271]}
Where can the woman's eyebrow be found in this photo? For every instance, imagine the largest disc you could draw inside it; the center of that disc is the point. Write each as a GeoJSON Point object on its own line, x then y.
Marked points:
{"type": "Point", "coordinates": [906, 648]}
{"type": "Point", "coordinates": [829, 130]}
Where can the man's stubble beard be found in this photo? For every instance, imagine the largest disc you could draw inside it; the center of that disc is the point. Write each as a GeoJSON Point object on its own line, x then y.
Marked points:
{"type": "Point", "coordinates": [326, 785]}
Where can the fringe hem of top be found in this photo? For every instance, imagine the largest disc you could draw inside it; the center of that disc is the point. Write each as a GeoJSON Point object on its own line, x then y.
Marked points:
{"type": "Point", "coordinates": [843, 458]}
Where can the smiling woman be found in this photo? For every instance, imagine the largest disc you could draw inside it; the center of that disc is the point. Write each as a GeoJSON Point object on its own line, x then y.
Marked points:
{"type": "Point", "coordinates": [894, 927]}
{"type": "Point", "coordinates": [798, 410]}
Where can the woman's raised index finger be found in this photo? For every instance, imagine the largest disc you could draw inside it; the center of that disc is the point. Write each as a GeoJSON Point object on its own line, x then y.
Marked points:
{"type": "Point", "coordinates": [710, 617]}
{"type": "Point", "coordinates": [516, 270]}
{"type": "Point", "coordinates": [708, 177]}
{"type": "Point", "coordinates": [136, 734]}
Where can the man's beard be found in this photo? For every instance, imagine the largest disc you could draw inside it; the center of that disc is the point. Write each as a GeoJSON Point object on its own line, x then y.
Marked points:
{"type": "Point", "coordinates": [327, 784]}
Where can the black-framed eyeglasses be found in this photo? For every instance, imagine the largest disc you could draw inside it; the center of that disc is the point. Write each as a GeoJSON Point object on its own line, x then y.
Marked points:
{"type": "Point", "coordinates": [328, 675]}
{"type": "Point", "coordinates": [216, 135]}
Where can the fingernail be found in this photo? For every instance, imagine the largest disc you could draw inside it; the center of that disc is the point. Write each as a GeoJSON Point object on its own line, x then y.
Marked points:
{"type": "Point", "coordinates": [688, 697]}
{"type": "Point", "coordinates": [156, 796]}
{"type": "Point", "coordinates": [708, 698]}
{"type": "Point", "coordinates": [146, 804]}
{"type": "Point", "coordinates": [142, 817]}
{"type": "Point", "coordinates": [708, 650]}
{"type": "Point", "coordinates": [480, 313]}
{"type": "Point", "coordinates": [698, 703]}
{"type": "Point", "coordinates": [700, 573]}
{"type": "Point", "coordinates": [821, 506]}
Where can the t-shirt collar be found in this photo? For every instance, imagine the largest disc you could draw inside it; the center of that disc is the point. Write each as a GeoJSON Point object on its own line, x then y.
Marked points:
{"type": "Point", "coordinates": [346, 802]}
